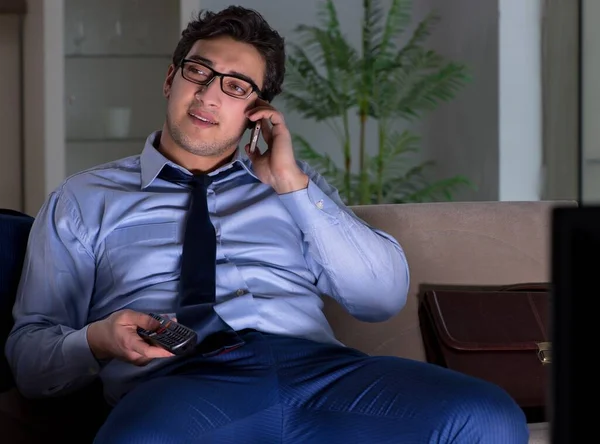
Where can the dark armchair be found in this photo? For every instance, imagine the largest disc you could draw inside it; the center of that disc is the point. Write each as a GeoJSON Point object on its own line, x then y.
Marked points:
{"type": "Point", "coordinates": [70, 419]}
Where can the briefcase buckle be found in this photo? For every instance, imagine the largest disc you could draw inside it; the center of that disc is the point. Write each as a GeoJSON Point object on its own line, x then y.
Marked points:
{"type": "Point", "coordinates": [545, 352]}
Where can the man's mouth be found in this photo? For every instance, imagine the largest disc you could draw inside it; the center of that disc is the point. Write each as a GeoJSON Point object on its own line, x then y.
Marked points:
{"type": "Point", "coordinates": [203, 118]}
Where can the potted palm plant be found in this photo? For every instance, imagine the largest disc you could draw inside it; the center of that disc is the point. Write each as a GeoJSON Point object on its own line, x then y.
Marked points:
{"type": "Point", "coordinates": [328, 80]}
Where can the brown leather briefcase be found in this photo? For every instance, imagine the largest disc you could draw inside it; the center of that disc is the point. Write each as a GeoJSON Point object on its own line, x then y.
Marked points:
{"type": "Point", "coordinates": [500, 335]}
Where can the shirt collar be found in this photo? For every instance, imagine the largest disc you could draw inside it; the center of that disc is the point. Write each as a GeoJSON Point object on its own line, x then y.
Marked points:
{"type": "Point", "coordinates": [152, 161]}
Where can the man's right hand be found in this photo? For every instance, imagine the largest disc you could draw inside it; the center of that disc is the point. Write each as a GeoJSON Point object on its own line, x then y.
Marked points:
{"type": "Point", "coordinates": [117, 337]}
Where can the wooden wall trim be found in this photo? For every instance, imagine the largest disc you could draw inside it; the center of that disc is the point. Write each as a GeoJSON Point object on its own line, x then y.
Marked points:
{"type": "Point", "coordinates": [560, 97]}
{"type": "Point", "coordinates": [13, 7]}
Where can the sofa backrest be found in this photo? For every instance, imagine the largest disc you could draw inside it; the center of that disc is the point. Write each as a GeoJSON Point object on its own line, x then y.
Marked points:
{"type": "Point", "coordinates": [465, 243]}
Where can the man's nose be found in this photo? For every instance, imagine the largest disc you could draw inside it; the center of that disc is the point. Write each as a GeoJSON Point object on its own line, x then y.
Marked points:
{"type": "Point", "coordinates": [210, 94]}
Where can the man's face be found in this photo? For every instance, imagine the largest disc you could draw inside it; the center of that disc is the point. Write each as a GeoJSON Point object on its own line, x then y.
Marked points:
{"type": "Point", "coordinates": [191, 105]}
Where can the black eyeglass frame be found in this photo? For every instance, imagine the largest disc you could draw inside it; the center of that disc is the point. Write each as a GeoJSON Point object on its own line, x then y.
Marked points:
{"type": "Point", "coordinates": [221, 76]}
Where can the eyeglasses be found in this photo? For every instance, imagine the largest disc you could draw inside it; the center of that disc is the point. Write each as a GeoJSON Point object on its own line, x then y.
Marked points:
{"type": "Point", "coordinates": [232, 85]}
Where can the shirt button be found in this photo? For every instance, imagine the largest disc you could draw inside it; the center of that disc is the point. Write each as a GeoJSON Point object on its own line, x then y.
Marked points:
{"type": "Point", "coordinates": [241, 292]}
{"type": "Point", "coordinates": [320, 204]}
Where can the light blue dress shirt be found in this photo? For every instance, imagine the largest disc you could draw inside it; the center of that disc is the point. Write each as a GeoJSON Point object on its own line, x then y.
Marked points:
{"type": "Point", "coordinates": [110, 238]}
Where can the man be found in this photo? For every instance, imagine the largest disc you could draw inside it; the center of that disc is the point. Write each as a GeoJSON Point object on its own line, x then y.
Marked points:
{"type": "Point", "coordinates": [106, 250]}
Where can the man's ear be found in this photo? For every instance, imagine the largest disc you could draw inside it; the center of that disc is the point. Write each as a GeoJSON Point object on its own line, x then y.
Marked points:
{"type": "Point", "coordinates": [169, 81]}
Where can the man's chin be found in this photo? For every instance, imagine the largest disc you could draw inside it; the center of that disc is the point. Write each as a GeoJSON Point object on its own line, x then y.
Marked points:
{"type": "Point", "coordinates": [206, 147]}
{"type": "Point", "coordinates": [202, 141]}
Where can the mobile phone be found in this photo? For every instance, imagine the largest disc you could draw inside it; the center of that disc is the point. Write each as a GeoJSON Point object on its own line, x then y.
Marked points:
{"type": "Point", "coordinates": [174, 337]}
{"type": "Point", "coordinates": [254, 136]}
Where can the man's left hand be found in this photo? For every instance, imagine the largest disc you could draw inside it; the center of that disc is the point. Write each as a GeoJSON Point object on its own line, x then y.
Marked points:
{"type": "Point", "coordinates": [276, 166]}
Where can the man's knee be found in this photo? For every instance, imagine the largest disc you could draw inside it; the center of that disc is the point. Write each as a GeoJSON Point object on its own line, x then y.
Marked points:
{"type": "Point", "coordinates": [486, 413]}
{"type": "Point", "coordinates": [158, 411]}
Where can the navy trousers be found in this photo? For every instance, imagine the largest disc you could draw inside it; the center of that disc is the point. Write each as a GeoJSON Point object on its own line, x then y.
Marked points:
{"type": "Point", "coordinates": [277, 389]}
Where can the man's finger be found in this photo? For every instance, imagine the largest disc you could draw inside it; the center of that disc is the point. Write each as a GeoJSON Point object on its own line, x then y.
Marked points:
{"type": "Point", "coordinates": [252, 156]}
{"type": "Point", "coordinates": [143, 320]}
{"type": "Point", "coordinates": [266, 131]}
{"type": "Point", "coordinates": [141, 347]}
{"type": "Point", "coordinates": [271, 114]}
{"type": "Point", "coordinates": [137, 359]}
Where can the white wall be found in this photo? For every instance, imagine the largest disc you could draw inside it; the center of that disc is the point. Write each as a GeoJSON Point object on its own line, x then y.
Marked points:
{"type": "Point", "coordinates": [463, 135]}
{"type": "Point", "coordinates": [492, 132]}
{"type": "Point", "coordinates": [520, 100]}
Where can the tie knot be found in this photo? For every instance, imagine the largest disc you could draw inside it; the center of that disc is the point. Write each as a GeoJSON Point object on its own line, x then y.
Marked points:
{"type": "Point", "coordinates": [175, 175]}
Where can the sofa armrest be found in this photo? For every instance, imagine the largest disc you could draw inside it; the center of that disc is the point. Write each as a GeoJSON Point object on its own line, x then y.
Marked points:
{"type": "Point", "coordinates": [14, 235]}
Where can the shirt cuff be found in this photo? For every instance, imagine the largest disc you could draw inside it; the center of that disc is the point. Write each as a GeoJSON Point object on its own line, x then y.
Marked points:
{"type": "Point", "coordinates": [311, 207]}
{"type": "Point", "coordinates": [76, 348]}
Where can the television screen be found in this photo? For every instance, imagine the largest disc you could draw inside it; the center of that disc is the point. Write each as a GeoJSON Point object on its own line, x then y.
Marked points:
{"type": "Point", "coordinates": [575, 270]}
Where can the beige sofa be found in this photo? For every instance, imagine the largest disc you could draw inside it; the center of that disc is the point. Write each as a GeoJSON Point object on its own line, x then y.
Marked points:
{"type": "Point", "coordinates": [470, 243]}
{"type": "Point", "coordinates": [475, 243]}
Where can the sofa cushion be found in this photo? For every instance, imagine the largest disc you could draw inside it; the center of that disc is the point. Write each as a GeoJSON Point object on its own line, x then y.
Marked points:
{"type": "Point", "coordinates": [14, 233]}
{"type": "Point", "coordinates": [454, 243]}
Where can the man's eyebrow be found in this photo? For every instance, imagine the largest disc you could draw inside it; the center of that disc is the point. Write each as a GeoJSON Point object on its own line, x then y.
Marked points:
{"type": "Point", "coordinates": [210, 64]}
{"type": "Point", "coordinates": [201, 59]}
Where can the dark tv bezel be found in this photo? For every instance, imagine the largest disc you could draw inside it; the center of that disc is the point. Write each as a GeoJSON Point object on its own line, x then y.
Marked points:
{"type": "Point", "coordinates": [575, 237]}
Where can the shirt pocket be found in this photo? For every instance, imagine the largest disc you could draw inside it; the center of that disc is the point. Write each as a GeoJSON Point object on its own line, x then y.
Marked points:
{"type": "Point", "coordinates": [143, 255]}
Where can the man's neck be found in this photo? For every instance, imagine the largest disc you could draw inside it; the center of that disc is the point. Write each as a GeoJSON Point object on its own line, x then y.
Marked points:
{"type": "Point", "coordinates": [194, 163]}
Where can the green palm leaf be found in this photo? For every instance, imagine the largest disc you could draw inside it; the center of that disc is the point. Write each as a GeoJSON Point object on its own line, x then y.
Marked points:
{"type": "Point", "coordinates": [390, 76]}
{"type": "Point", "coordinates": [396, 148]}
{"type": "Point", "coordinates": [397, 20]}
{"type": "Point", "coordinates": [430, 90]}
{"type": "Point", "coordinates": [307, 90]}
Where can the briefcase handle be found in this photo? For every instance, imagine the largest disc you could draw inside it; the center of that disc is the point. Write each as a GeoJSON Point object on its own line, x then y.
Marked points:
{"type": "Point", "coordinates": [529, 286]}
{"type": "Point", "coordinates": [544, 348]}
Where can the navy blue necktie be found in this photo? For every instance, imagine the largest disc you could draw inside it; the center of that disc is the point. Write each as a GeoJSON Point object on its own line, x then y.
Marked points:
{"type": "Point", "coordinates": [198, 270]}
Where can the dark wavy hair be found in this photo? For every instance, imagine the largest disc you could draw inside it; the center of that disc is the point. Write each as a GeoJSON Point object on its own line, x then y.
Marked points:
{"type": "Point", "coordinates": [244, 25]}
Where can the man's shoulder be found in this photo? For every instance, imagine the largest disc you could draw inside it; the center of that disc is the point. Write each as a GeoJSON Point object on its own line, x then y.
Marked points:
{"type": "Point", "coordinates": [122, 173]}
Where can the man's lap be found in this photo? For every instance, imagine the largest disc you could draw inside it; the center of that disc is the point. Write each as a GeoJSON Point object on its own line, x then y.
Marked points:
{"type": "Point", "coordinates": [276, 387]}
